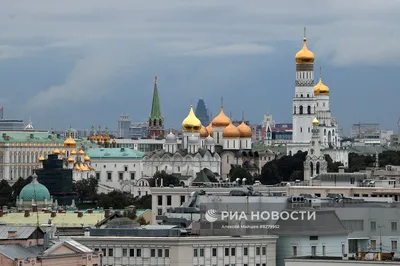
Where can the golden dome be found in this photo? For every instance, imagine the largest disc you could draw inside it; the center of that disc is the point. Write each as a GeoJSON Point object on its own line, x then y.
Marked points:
{"type": "Point", "coordinates": [81, 152]}
{"type": "Point", "coordinates": [209, 129]}
{"type": "Point", "coordinates": [71, 160]}
{"type": "Point", "coordinates": [77, 168]}
{"type": "Point", "coordinates": [231, 131]}
{"type": "Point", "coordinates": [191, 123]}
{"type": "Point", "coordinates": [41, 158]}
{"type": "Point", "coordinates": [92, 137]}
{"type": "Point", "coordinates": [315, 122]}
{"type": "Point", "coordinates": [56, 151]}
{"type": "Point", "coordinates": [63, 152]}
{"type": "Point", "coordinates": [221, 120]}
{"type": "Point", "coordinates": [204, 132]}
{"type": "Point", "coordinates": [245, 130]}
{"type": "Point", "coordinates": [304, 56]}
{"type": "Point", "coordinates": [69, 143]}
{"type": "Point", "coordinates": [320, 88]}
{"type": "Point", "coordinates": [86, 159]}
{"type": "Point", "coordinates": [73, 152]}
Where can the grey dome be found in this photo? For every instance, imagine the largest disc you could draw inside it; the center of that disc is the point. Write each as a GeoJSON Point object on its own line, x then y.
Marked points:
{"type": "Point", "coordinates": [170, 138]}
{"type": "Point", "coordinates": [209, 141]}
{"type": "Point", "coordinates": [193, 140]}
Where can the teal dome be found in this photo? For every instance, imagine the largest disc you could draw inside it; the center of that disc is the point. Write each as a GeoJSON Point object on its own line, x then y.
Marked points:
{"type": "Point", "coordinates": [34, 190]}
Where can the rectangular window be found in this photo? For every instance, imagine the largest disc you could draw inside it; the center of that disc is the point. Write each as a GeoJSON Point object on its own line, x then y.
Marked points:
{"type": "Point", "coordinates": [245, 251]}
{"type": "Point", "coordinates": [121, 176]}
{"type": "Point", "coordinates": [166, 253]}
{"type": "Point", "coordinates": [98, 176]}
{"type": "Point", "coordinates": [294, 251]}
{"type": "Point", "coordinates": [110, 252]}
{"type": "Point", "coordinates": [138, 252]}
{"type": "Point", "coordinates": [394, 226]}
{"type": "Point", "coordinates": [202, 252]}
{"type": "Point", "coordinates": [104, 251]}
{"type": "Point", "coordinates": [133, 176]}
{"type": "Point", "coordinates": [109, 178]}
{"type": "Point", "coordinates": [373, 244]}
{"type": "Point", "coordinates": [131, 252]}
{"type": "Point", "coordinates": [313, 250]}
{"type": "Point", "coordinates": [152, 252]}
{"type": "Point", "coordinates": [124, 252]}
{"type": "Point", "coordinates": [233, 251]}
{"type": "Point", "coordinates": [323, 251]}
{"type": "Point", "coordinates": [264, 250]}
{"type": "Point", "coordinates": [214, 252]}
{"type": "Point", "coordinates": [344, 249]}
{"type": "Point", "coordinates": [195, 252]}
{"type": "Point", "coordinates": [159, 253]}
{"type": "Point", "coordinates": [182, 199]}
{"type": "Point", "coordinates": [373, 225]}
{"type": "Point", "coordinates": [169, 200]}
{"type": "Point", "coordinates": [258, 251]}
{"type": "Point", "coordinates": [126, 168]}
{"type": "Point", "coordinates": [159, 200]}
{"type": "Point", "coordinates": [394, 245]}
{"type": "Point", "coordinates": [226, 251]}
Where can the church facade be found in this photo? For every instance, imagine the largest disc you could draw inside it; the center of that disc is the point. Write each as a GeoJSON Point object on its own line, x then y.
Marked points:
{"type": "Point", "coordinates": [313, 101]}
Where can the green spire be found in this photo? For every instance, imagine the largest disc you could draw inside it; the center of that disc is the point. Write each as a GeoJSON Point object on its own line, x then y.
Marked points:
{"type": "Point", "coordinates": [155, 107]}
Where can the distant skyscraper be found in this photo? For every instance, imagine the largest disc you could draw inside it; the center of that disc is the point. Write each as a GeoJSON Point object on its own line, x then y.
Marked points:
{"type": "Point", "coordinates": [124, 123]}
{"type": "Point", "coordinates": [201, 113]}
{"type": "Point", "coordinates": [156, 120]}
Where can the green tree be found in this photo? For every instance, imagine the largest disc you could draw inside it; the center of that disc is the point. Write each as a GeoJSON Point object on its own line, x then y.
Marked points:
{"type": "Point", "coordinates": [18, 186]}
{"type": "Point", "coordinates": [167, 179]}
{"type": "Point", "coordinates": [115, 199]}
{"type": "Point", "coordinates": [5, 193]}
{"type": "Point", "coordinates": [332, 166]}
{"type": "Point", "coordinates": [143, 202]}
{"type": "Point", "coordinates": [358, 162]}
{"type": "Point", "coordinates": [237, 171]}
{"type": "Point", "coordinates": [130, 213]}
{"type": "Point", "coordinates": [86, 188]}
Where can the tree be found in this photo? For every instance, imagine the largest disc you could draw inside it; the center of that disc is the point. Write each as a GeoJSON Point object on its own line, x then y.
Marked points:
{"type": "Point", "coordinates": [86, 188]}
{"type": "Point", "coordinates": [167, 179]}
{"type": "Point", "coordinates": [237, 171]}
{"type": "Point", "coordinates": [130, 213]}
{"type": "Point", "coordinates": [144, 202]}
{"type": "Point", "coordinates": [5, 193]}
{"type": "Point", "coordinates": [115, 199]}
{"type": "Point", "coordinates": [18, 186]}
{"type": "Point", "coordinates": [142, 221]}
{"type": "Point", "coordinates": [332, 166]}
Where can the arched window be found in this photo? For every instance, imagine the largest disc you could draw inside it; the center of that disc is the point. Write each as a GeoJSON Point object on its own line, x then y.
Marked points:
{"type": "Point", "coordinates": [160, 122]}
{"type": "Point", "coordinates": [325, 132]}
{"type": "Point", "coordinates": [301, 129]}
{"type": "Point", "coordinates": [318, 168]}
{"type": "Point", "coordinates": [309, 110]}
{"type": "Point", "coordinates": [301, 95]}
{"type": "Point", "coordinates": [294, 109]}
{"type": "Point", "coordinates": [155, 123]}
{"type": "Point", "coordinates": [311, 169]}
{"type": "Point", "coordinates": [301, 109]}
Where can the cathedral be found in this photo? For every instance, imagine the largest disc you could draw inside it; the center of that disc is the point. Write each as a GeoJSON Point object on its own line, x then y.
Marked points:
{"type": "Point", "coordinates": [215, 147]}
{"type": "Point", "coordinates": [312, 101]}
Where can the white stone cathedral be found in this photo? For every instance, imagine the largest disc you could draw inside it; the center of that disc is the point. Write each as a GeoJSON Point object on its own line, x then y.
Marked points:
{"type": "Point", "coordinates": [309, 102]}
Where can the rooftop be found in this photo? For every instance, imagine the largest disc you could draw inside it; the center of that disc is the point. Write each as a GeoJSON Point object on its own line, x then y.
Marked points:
{"type": "Point", "coordinates": [114, 153]}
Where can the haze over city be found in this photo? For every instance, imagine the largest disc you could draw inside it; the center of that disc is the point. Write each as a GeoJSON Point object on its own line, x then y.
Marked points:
{"type": "Point", "coordinates": [82, 63]}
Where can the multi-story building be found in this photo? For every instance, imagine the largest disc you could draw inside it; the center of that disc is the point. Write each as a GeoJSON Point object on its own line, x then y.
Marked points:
{"type": "Point", "coordinates": [11, 124]}
{"type": "Point", "coordinates": [138, 130]}
{"type": "Point", "coordinates": [124, 123]}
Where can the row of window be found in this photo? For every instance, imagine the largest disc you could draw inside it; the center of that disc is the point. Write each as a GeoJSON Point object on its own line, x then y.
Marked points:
{"type": "Point", "coordinates": [199, 252]}
{"type": "Point", "coordinates": [120, 176]}
{"type": "Point", "coordinates": [169, 200]}
{"type": "Point", "coordinates": [115, 165]}
{"type": "Point", "coordinates": [132, 252]}
{"type": "Point", "coordinates": [314, 250]}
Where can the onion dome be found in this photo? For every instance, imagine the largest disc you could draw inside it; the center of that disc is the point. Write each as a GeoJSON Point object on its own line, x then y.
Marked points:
{"type": "Point", "coordinates": [209, 129]}
{"type": "Point", "coordinates": [315, 122]}
{"type": "Point", "coordinates": [71, 160]}
{"type": "Point", "coordinates": [191, 123]}
{"type": "Point", "coordinates": [69, 143]}
{"type": "Point", "coordinates": [245, 130]}
{"type": "Point", "coordinates": [77, 168]}
{"type": "Point", "coordinates": [231, 131]}
{"type": "Point", "coordinates": [34, 191]}
{"type": "Point", "coordinates": [41, 158]}
{"type": "Point", "coordinates": [170, 137]}
{"type": "Point", "coordinates": [209, 141]}
{"type": "Point", "coordinates": [320, 88]}
{"type": "Point", "coordinates": [221, 120]}
{"type": "Point", "coordinates": [204, 132]}
{"type": "Point", "coordinates": [81, 152]}
{"type": "Point", "coordinates": [56, 151]}
{"type": "Point", "coordinates": [86, 159]}
{"type": "Point", "coordinates": [63, 152]}
{"type": "Point", "coordinates": [73, 152]}
{"type": "Point", "coordinates": [193, 139]}
{"type": "Point", "coordinates": [304, 56]}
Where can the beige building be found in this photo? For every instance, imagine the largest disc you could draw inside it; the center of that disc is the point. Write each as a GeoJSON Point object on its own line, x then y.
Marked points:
{"type": "Point", "coordinates": [336, 262]}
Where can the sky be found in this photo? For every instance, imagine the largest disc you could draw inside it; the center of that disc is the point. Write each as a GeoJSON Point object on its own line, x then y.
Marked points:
{"type": "Point", "coordinates": [82, 63]}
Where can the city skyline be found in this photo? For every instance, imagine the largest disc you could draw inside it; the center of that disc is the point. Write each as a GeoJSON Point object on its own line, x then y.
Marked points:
{"type": "Point", "coordinates": [94, 64]}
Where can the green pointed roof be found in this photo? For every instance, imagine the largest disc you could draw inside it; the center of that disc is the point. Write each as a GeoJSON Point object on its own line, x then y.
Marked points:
{"type": "Point", "coordinates": [155, 106]}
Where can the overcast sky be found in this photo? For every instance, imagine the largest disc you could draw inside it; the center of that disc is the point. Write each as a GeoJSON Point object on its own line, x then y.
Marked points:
{"type": "Point", "coordinates": [78, 63]}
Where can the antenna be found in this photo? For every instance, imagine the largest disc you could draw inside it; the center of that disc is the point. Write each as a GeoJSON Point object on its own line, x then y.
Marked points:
{"type": "Point", "coordinates": [222, 102]}
{"type": "Point", "coordinates": [242, 116]}
{"type": "Point", "coordinates": [305, 33]}
{"type": "Point", "coordinates": [320, 71]}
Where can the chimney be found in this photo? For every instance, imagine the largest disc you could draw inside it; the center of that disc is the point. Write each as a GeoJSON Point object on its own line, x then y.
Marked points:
{"type": "Point", "coordinates": [341, 170]}
{"type": "Point", "coordinates": [1, 213]}
{"type": "Point", "coordinates": [53, 214]}
{"type": "Point", "coordinates": [87, 232]}
{"type": "Point", "coordinates": [90, 211]}
{"type": "Point", "coordinates": [80, 214]}
{"type": "Point", "coordinates": [46, 240]}
{"type": "Point", "coordinates": [106, 213]}
{"type": "Point", "coordinates": [27, 213]}
{"type": "Point", "coordinates": [12, 234]}
{"type": "Point", "coordinates": [34, 208]}
{"type": "Point", "coordinates": [60, 211]}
